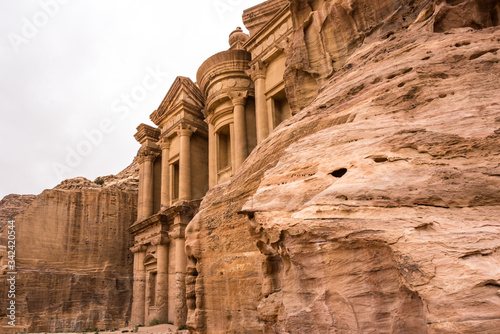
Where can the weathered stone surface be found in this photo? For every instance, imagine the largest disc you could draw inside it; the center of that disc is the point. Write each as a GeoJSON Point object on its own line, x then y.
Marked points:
{"type": "Point", "coordinates": [329, 31]}
{"type": "Point", "coordinates": [72, 254]}
{"type": "Point", "coordinates": [10, 207]}
{"type": "Point", "coordinates": [374, 210]}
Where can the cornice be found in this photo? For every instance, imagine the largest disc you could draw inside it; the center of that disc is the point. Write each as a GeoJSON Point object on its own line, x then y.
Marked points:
{"type": "Point", "coordinates": [145, 132]}
{"type": "Point", "coordinates": [142, 225]}
{"type": "Point", "coordinates": [165, 216]}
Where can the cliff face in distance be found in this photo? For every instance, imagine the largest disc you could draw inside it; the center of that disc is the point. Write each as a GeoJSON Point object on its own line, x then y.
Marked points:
{"type": "Point", "coordinates": [374, 209]}
{"type": "Point", "coordinates": [73, 260]}
{"type": "Point", "coordinates": [10, 207]}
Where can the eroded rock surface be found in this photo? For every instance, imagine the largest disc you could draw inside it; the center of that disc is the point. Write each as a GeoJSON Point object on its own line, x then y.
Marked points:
{"type": "Point", "coordinates": [329, 31]}
{"type": "Point", "coordinates": [73, 260]}
{"type": "Point", "coordinates": [10, 207]}
{"type": "Point", "coordinates": [373, 210]}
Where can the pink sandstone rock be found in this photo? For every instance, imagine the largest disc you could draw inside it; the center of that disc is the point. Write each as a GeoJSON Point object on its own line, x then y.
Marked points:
{"type": "Point", "coordinates": [73, 260]}
{"type": "Point", "coordinates": [374, 209]}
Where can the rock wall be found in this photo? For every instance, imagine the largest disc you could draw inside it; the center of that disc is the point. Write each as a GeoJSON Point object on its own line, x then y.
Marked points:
{"type": "Point", "coordinates": [374, 209]}
{"type": "Point", "coordinates": [73, 260]}
{"type": "Point", "coordinates": [10, 207]}
{"type": "Point", "coordinates": [329, 31]}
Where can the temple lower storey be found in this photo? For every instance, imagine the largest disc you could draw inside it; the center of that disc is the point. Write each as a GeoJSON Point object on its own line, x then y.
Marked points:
{"type": "Point", "coordinates": [205, 131]}
{"type": "Point", "coordinates": [160, 265]}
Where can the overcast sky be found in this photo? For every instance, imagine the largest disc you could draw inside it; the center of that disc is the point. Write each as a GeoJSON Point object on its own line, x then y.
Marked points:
{"type": "Point", "coordinates": [78, 76]}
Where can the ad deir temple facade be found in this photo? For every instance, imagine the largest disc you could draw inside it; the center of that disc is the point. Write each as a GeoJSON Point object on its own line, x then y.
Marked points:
{"type": "Point", "coordinates": [205, 131]}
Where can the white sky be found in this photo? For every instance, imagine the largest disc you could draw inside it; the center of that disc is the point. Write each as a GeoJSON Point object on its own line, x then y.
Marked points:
{"type": "Point", "coordinates": [68, 65]}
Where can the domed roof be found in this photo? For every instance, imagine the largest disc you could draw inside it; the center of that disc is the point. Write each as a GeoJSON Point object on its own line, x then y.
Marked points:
{"type": "Point", "coordinates": [237, 38]}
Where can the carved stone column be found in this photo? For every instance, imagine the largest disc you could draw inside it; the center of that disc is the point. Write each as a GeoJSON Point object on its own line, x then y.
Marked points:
{"type": "Point", "coordinates": [165, 172]}
{"type": "Point", "coordinates": [212, 156]}
{"type": "Point", "coordinates": [161, 288]}
{"type": "Point", "coordinates": [139, 287]}
{"type": "Point", "coordinates": [185, 163]}
{"type": "Point", "coordinates": [233, 147]}
{"type": "Point", "coordinates": [140, 200]}
{"type": "Point", "coordinates": [148, 199]}
{"type": "Point", "coordinates": [258, 74]}
{"type": "Point", "coordinates": [180, 275]}
{"type": "Point", "coordinates": [240, 129]}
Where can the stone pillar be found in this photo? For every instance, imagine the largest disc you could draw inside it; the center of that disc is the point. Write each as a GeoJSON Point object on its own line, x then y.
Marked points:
{"type": "Point", "coordinates": [240, 129]}
{"type": "Point", "coordinates": [271, 110]}
{"type": "Point", "coordinates": [161, 288]}
{"type": "Point", "coordinates": [233, 150]}
{"type": "Point", "coordinates": [148, 199]}
{"type": "Point", "coordinates": [212, 156]}
{"type": "Point", "coordinates": [139, 287]}
{"type": "Point", "coordinates": [180, 275]}
{"type": "Point", "coordinates": [140, 200]}
{"type": "Point", "coordinates": [258, 74]}
{"type": "Point", "coordinates": [165, 172]}
{"type": "Point", "coordinates": [185, 164]}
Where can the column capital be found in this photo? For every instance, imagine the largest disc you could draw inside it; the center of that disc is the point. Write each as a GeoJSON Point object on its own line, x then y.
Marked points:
{"type": "Point", "coordinates": [150, 157]}
{"type": "Point", "coordinates": [139, 159]}
{"type": "Point", "coordinates": [209, 119]}
{"type": "Point", "coordinates": [138, 249]}
{"type": "Point", "coordinates": [257, 70]}
{"type": "Point", "coordinates": [205, 112]}
{"type": "Point", "coordinates": [160, 240]}
{"type": "Point", "coordinates": [185, 130]}
{"type": "Point", "coordinates": [238, 98]}
{"type": "Point", "coordinates": [178, 234]}
{"type": "Point", "coordinates": [164, 143]}
{"type": "Point", "coordinates": [147, 154]}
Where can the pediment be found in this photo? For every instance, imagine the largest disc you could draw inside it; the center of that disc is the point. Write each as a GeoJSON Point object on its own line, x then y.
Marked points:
{"type": "Point", "coordinates": [149, 259]}
{"type": "Point", "coordinates": [182, 92]}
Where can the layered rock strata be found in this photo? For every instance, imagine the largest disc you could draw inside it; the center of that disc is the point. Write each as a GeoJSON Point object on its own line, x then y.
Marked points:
{"type": "Point", "coordinates": [10, 207]}
{"type": "Point", "coordinates": [74, 269]}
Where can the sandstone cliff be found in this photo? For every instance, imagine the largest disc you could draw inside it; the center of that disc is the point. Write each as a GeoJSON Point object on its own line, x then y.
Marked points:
{"type": "Point", "coordinates": [10, 207]}
{"type": "Point", "coordinates": [374, 209]}
{"type": "Point", "coordinates": [73, 262]}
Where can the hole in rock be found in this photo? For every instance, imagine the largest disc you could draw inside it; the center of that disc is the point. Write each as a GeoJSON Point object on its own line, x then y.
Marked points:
{"type": "Point", "coordinates": [407, 70]}
{"type": "Point", "coordinates": [380, 159]}
{"type": "Point", "coordinates": [490, 284]}
{"type": "Point", "coordinates": [462, 44]}
{"type": "Point", "coordinates": [339, 173]}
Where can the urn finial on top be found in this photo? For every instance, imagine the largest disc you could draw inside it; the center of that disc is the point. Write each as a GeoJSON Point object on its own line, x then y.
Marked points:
{"type": "Point", "coordinates": [237, 38]}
